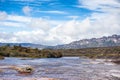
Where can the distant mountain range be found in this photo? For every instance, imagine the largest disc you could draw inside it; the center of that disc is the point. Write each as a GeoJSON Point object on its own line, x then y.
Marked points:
{"type": "Point", "coordinates": [25, 45]}
{"type": "Point", "coordinates": [108, 41]}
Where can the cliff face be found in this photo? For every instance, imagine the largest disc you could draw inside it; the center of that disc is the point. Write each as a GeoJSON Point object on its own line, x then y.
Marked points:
{"type": "Point", "coordinates": [109, 41]}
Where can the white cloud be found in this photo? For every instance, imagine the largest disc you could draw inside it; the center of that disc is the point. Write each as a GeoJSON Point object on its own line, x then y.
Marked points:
{"type": "Point", "coordinates": [43, 32]}
{"type": "Point", "coordinates": [97, 4]}
{"type": "Point", "coordinates": [14, 21]}
{"type": "Point", "coordinates": [40, 23]}
{"type": "Point", "coordinates": [51, 32]}
{"type": "Point", "coordinates": [17, 18]}
{"type": "Point", "coordinates": [73, 17]}
{"type": "Point", "coordinates": [5, 37]}
{"type": "Point", "coordinates": [53, 12]}
{"type": "Point", "coordinates": [56, 12]}
{"type": "Point", "coordinates": [3, 15]}
{"type": "Point", "coordinates": [27, 10]}
{"type": "Point", "coordinates": [68, 31]}
{"type": "Point", "coordinates": [12, 24]}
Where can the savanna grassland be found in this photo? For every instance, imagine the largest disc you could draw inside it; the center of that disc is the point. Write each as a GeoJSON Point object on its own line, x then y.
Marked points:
{"type": "Point", "coordinates": [99, 52]}
{"type": "Point", "coordinates": [19, 51]}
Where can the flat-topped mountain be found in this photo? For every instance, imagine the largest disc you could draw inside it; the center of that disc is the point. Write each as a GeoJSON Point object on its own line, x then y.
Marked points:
{"type": "Point", "coordinates": [108, 41]}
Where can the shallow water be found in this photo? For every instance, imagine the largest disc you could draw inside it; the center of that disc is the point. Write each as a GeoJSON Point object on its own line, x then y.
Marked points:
{"type": "Point", "coordinates": [66, 68]}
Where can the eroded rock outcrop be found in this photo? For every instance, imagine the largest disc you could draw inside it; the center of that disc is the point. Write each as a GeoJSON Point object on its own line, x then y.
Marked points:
{"type": "Point", "coordinates": [23, 69]}
{"type": "Point", "coordinates": [20, 69]}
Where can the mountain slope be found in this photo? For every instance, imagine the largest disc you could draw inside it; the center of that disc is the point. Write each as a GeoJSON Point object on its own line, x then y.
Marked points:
{"type": "Point", "coordinates": [109, 41]}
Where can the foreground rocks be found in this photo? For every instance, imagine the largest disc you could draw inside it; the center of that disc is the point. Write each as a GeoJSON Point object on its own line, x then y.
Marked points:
{"type": "Point", "coordinates": [116, 61]}
{"type": "Point", "coordinates": [20, 69]}
{"type": "Point", "coordinates": [1, 57]}
{"type": "Point", "coordinates": [30, 79]}
{"type": "Point", "coordinates": [23, 69]}
{"type": "Point", "coordinates": [115, 73]}
{"type": "Point", "coordinates": [40, 79]}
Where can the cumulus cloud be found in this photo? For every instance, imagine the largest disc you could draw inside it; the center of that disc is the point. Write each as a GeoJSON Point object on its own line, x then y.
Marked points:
{"type": "Point", "coordinates": [13, 24]}
{"type": "Point", "coordinates": [40, 23]}
{"type": "Point", "coordinates": [3, 15]}
{"type": "Point", "coordinates": [99, 5]}
{"type": "Point", "coordinates": [26, 10]}
{"type": "Point", "coordinates": [51, 32]}
{"type": "Point", "coordinates": [68, 31]}
{"type": "Point", "coordinates": [5, 37]}
{"type": "Point", "coordinates": [16, 18]}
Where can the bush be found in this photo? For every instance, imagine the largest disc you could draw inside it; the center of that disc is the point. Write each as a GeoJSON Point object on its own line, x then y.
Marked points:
{"type": "Point", "coordinates": [18, 51]}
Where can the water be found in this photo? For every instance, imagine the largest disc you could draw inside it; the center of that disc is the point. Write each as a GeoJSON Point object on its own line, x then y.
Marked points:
{"type": "Point", "coordinates": [66, 68]}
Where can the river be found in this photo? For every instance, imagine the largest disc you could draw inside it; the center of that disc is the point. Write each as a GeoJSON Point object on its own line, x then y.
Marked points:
{"type": "Point", "coordinates": [65, 68]}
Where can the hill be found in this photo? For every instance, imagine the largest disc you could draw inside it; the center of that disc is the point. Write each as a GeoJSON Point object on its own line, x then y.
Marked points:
{"type": "Point", "coordinates": [108, 41]}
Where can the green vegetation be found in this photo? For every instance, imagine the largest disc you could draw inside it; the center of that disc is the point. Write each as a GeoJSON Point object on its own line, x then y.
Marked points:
{"type": "Point", "coordinates": [19, 51]}
{"type": "Point", "coordinates": [104, 52]}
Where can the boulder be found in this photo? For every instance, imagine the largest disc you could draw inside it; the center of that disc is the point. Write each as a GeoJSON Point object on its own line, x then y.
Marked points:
{"type": "Point", "coordinates": [20, 69]}
{"type": "Point", "coordinates": [23, 68]}
{"type": "Point", "coordinates": [117, 61]}
{"type": "Point", "coordinates": [1, 70]}
{"type": "Point", "coordinates": [1, 57]}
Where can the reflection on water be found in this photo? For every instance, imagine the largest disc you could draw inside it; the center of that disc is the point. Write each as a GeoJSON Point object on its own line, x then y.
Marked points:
{"type": "Point", "coordinates": [66, 68]}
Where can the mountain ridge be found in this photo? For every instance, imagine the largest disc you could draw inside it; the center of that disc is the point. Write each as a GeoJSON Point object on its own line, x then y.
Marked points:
{"type": "Point", "coordinates": [39, 46]}
{"type": "Point", "coordinates": [105, 41]}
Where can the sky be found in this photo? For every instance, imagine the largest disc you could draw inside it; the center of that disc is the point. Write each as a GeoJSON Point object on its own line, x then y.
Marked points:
{"type": "Point", "coordinates": [54, 22]}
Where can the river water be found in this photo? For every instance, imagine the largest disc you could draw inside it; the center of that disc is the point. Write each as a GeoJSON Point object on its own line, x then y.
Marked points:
{"type": "Point", "coordinates": [65, 68]}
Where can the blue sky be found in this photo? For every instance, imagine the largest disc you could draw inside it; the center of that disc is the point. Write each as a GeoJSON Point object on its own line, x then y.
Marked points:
{"type": "Point", "coordinates": [55, 9]}
{"type": "Point", "coordinates": [53, 22]}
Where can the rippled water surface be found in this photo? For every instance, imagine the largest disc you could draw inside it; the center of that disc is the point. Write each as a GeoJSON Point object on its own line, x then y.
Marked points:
{"type": "Point", "coordinates": [66, 68]}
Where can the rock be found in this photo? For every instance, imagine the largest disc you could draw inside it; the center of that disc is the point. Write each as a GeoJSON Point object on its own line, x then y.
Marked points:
{"type": "Point", "coordinates": [23, 68]}
{"type": "Point", "coordinates": [1, 70]}
{"type": "Point", "coordinates": [20, 69]}
{"type": "Point", "coordinates": [1, 57]}
{"type": "Point", "coordinates": [116, 61]}
{"type": "Point", "coordinates": [40, 79]}
{"type": "Point", "coordinates": [47, 79]}
{"type": "Point", "coordinates": [115, 75]}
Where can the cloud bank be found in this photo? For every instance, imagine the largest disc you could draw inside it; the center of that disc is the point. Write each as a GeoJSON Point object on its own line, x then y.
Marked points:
{"type": "Point", "coordinates": [104, 21]}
